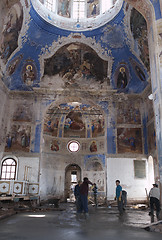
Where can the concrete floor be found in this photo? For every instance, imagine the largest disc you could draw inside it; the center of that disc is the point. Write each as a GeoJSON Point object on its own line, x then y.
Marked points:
{"type": "Point", "coordinates": [103, 224]}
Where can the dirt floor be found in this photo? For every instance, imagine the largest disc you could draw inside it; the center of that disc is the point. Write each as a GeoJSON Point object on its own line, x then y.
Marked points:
{"type": "Point", "coordinates": [138, 213]}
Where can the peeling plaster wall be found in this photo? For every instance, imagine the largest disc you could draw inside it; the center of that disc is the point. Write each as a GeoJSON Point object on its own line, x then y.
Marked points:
{"type": "Point", "coordinates": [38, 41]}
{"type": "Point", "coordinates": [53, 165]}
{"type": "Point", "coordinates": [33, 169]}
{"type": "Point", "coordinates": [4, 115]}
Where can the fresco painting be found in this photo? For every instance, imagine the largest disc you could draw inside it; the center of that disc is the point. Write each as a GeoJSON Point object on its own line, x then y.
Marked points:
{"type": "Point", "coordinates": [93, 8]}
{"type": "Point", "coordinates": [18, 139]}
{"type": "Point", "coordinates": [76, 65]}
{"type": "Point", "coordinates": [55, 145]}
{"type": "Point", "coordinates": [51, 122]}
{"type": "Point", "coordinates": [93, 147]}
{"type": "Point", "coordinates": [97, 124]}
{"type": "Point", "coordinates": [10, 32]}
{"type": "Point", "coordinates": [29, 73]}
{"type": "Point", "coordinates": [74, 123]}
{"type": "Point", "coordinates": [121, 76]}
{"type": "Point", "coordinates": [13, 64]}
{"type": "Point", "coordinates": [94, 166]}
{"type": "Point", "coordinates": [151, 138]}
{"type": "Point", "coordinates": [23, 113]}
{"type": "Point", "coordinates": [150, 109]}
{"type": "Point", "coordinates": [128, 112]}
{"type": "Point", "coordinates": [129, 140]}
{"type": "Point", "coordinates": [139, 30]}
{"type": "Point", "coordinates": [64, 8]}
{"type": "Point", "coordinates": [140, 74]}
{"type": "Point", "coordinates": [72, 120]}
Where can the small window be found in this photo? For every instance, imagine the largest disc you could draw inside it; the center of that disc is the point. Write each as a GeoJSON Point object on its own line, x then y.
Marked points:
{"type": "Point", "coordinates": [50, 4]}
{"type": "Point", "coordinates": [140, 168]}
{"type": "Point", "coordinates": [8, 169]}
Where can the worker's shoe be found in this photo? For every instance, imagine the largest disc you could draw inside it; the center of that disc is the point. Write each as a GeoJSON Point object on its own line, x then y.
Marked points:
{"type": "Point", "coordinates": [86, 215]}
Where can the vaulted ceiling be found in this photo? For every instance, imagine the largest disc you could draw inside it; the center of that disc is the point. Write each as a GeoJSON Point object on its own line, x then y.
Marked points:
{"type": "Point", "coordinates": [37, 54]}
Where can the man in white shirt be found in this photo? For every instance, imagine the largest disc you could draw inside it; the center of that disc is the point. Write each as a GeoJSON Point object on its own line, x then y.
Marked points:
{"type": "Point", "coordinates": [155, 200]}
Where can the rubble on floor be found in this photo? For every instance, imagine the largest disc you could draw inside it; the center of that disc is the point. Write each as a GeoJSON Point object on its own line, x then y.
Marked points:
{"type": "Point", "coordinates": [8, 208]}
{"type": "Point", "coordinates": [155, 227]}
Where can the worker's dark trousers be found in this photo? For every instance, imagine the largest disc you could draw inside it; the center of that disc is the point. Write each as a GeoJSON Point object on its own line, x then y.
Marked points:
{"type": "Point", "coordinates": [84, 201]}
{"type": "Point", "coordinates": [120, 206]}
{"type": "Point", "coordinates": [155, 203]}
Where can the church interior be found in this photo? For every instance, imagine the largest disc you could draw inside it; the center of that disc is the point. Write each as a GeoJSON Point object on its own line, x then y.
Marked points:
{"type": "Point", "coordinates": [80, 92]}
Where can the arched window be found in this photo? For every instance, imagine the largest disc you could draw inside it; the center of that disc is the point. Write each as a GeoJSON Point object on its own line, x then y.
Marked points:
{"type": "Point", "coordinates": [8, 169]}
{"type": "Point", "coordinates": [78, 9]}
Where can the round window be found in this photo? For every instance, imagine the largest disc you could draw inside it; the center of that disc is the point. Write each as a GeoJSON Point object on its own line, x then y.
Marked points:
{"type": "Point", "coordinates": [73, 146]}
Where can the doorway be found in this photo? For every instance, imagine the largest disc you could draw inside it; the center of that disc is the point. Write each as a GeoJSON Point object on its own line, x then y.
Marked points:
{"type": "Point", "coordinates": [72, 176]}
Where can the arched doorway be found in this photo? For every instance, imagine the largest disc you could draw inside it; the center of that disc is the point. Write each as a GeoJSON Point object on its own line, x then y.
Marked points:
{"type": "Point", "coordinates": [72, 176]}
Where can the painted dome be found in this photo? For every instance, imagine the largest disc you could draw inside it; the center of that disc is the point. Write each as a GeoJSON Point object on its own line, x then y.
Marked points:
{"type": "Point", "coordinates": [77, 14]}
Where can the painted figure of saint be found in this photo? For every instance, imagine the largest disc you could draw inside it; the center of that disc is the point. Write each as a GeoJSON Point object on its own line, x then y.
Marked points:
{"type": "Point", "coordinates": [29, 75]}
{"type": "Point", "coordinates": [55, 145]}
{"type": "Point", "coordinates": [140, 73]}
{"type": "Point", "coordinates": [93, 147]}
{"type": "Point", "coordinates": [63, 8]}
{"type": "Point", "coordinates": [122, 78]}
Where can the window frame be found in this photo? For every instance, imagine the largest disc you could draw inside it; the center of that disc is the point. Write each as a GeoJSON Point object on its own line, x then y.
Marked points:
{"type": "Point", "coordinates": [136, 176]}
{"type": "Point", "coordinates": [10, 170]}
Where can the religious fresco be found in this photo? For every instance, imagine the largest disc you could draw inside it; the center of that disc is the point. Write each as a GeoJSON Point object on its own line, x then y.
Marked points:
{"type": "Point", "coordinates": [10, 32]}
{"type": "Point", "coordinates": [51, 122]}
{"type": "Point", "coordinates": [74, 120]}
{"type": "Point", "coordinates": [29, 73]}
{"type": "Point", "coordinates": [13, 64]}
{"type": "Point", "coordinates": [76, 65]}
{"type": "Point", "coordinates": [151, 136]}
{"type": "Point", "coordinates": [129, 140]}
{"type": "Point", "coordinates": [64, 8]}
{"type": "Point", "coordinates": [97, 125]}
{"type": "Point", "coordinates": [23, 113]}
{"type": "Point", "coordinates": [93, 147]}
{"type": "Point", "coordinates": [128, 112]}
{"type": "Point", "coordinates": [150, 109]}
{"type": "Point", "coordinates": [140, 74]}
{"type": "Point", "coordinates": [74, 124]}
{"type": "Point", "coordinates": [55, 145]}
{"type": "Point", "coordinates": [121, 76]}
{"type": "Point", "coordinates": [139, 30]}
{"type": "Point", "coordinates": [93, 8]}
{"type": "Point", "coordinates": [18, 139]}
{"type": "Point", "coordinates": [94, 166]}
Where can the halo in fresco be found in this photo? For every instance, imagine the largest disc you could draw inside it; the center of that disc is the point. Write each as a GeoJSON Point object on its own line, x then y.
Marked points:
{"type": "Point", "coordinates": [121, 76]}
{"type": "Point", "coordinates": [29, 72]}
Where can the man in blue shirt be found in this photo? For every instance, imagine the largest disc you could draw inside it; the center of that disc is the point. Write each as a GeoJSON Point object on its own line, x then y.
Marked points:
{"type": "Point", "coordinates": [119, 197]}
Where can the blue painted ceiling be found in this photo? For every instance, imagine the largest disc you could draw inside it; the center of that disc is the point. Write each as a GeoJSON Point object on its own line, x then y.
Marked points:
{"type": "Point", "coordinates": [115, 39]}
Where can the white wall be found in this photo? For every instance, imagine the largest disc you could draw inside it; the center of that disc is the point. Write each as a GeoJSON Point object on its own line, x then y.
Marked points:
{"type": "Point", "coordinates": [123, 169]}
{"type": "Point", "coordinates": [33, 164]}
